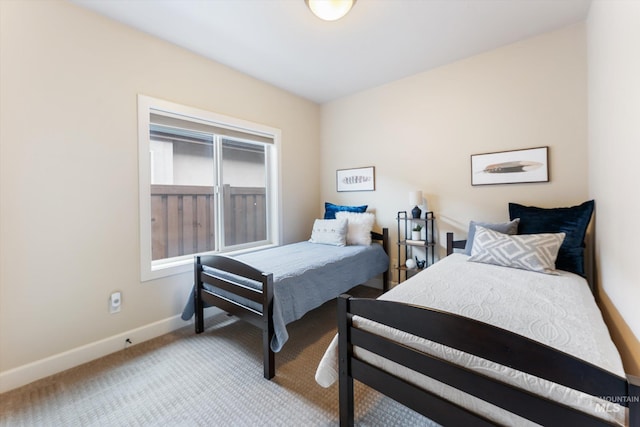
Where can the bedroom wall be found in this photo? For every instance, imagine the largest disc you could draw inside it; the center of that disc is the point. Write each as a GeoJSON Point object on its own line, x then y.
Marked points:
{"type": "Point", "coordinates": [614, 147]}
{"type": "Point", "coordinates": [69, 178]}
{"type": "Point", "coordinates": [419, 132]}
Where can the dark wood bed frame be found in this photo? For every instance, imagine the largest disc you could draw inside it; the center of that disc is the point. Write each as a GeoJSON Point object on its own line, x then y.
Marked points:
{"type": "Point", "coordinates": [477, 338]}
{"type": "Point", "coordinates": [262, 318]}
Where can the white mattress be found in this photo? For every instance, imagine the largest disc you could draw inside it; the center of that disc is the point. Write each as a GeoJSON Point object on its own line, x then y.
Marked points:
{"type": "Point", "coordinates": [558, 311]}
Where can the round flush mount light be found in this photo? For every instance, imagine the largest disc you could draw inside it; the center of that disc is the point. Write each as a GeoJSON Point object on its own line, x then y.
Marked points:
{"type": "Point", "coordinates": [330, 10]}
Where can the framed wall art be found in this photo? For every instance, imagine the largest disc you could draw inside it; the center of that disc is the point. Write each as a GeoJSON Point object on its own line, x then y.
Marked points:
{"type": "Point", "coordinates": [510, 167]}
{"type": "Point", "coordinates": [358, 179]}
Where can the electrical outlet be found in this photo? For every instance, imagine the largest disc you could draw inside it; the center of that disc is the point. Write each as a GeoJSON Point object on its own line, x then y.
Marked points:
{"type": "Point", "coordinates": [115, 302]}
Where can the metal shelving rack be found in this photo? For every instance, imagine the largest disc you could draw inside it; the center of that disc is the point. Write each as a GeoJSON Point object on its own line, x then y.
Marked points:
{"type": "Point", "coordinates": [405, 225]}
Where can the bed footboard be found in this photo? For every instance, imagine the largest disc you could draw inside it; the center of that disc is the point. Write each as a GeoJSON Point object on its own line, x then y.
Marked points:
{"type": "Point", "coordinates": [233, 292]}
{"type": "Point", "coordinates": [476, 338]}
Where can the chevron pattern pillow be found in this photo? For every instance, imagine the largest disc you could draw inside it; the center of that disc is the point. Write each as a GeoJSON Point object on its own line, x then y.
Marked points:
{"type": "Point", "coordinates": [534, 252]}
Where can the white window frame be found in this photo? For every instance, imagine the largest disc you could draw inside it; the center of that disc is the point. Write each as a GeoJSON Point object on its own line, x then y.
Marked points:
{"type": "Point", "coordinates": [149, 269]}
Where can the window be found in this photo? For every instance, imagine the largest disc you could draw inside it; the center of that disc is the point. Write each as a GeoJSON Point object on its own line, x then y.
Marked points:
{"type": "Point", "coordinates": [208, 183]}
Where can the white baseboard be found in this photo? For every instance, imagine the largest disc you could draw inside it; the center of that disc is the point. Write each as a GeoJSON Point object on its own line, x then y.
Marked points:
{"type": "Point", "coordinates": [30, 372]}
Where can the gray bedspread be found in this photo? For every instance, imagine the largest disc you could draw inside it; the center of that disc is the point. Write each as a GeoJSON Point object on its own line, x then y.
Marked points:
{"type": "Point", "coordinates": [306, 275]}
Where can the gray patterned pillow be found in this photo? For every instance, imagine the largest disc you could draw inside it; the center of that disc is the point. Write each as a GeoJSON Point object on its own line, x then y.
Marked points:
{"type": "Point", "coordinates": [534, 252]}
{"type": "Point", "coordinates": [510, 227]}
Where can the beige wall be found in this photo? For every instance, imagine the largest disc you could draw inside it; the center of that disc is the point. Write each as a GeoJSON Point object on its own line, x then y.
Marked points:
{"type": "Point", "coordinates": [69, 178]}
{"type": "Point", "coordinates": [614, 149]}
{"type": "Point", "coordinates": [419, 132]}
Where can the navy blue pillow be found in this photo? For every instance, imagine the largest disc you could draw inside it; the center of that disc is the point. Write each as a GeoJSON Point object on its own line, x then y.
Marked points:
{"type": "Point", "coordinates": [330, 209]}
{"type": "Point", "coordinates": [572, 221]}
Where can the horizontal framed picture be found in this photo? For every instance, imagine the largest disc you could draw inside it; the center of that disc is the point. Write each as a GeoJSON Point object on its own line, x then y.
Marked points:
{"type": "Point", "coordinates": [358, 179]}
{"type": "Point", "coordinates": [510, 167]}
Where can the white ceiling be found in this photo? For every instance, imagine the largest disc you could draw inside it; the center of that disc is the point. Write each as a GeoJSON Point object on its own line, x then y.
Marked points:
{"type": "Point", "coordinates": [282, 43]}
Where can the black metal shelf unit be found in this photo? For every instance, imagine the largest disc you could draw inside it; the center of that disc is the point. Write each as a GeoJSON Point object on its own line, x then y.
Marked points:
{"type": "Point", "coordinates": [426, 242]}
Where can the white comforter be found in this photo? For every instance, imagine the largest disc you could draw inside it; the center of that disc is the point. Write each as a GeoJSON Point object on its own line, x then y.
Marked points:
{"type": "Point", "coordinates": [559, 311]}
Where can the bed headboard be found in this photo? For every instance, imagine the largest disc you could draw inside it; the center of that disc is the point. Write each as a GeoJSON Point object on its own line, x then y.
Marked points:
{"type": "Point", "coordinates": [454, 244]}
{"type": "Point", "coordinates": [383, 238]}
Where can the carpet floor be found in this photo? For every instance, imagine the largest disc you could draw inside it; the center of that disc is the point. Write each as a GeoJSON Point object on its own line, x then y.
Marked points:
{"type": "Point", "coordinates": [210, 379]}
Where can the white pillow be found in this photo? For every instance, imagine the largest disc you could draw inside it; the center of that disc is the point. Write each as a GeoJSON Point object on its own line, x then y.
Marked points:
{"type": "Point", "coordinates": [534, 252]}
{"type": "Point", "coordinates": [359, 227]}
{"type": "Point", "coordinates": [329, 232]}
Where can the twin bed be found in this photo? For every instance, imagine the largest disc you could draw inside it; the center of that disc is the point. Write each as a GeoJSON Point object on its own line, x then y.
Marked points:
{"type": "Point", "coordinates": [475, 343]}
{"type": "Point", "coordinates": [496, 346]}
{"type": "Point", "coordinates": [273, 287]}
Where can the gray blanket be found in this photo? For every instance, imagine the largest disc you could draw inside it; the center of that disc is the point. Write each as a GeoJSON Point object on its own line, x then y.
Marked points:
{"type": "Point", "coordinates": [306, 275]}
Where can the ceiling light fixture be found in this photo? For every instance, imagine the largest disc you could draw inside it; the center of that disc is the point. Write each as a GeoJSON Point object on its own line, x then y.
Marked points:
{"type": "Point", "coordinates": [330, 10]}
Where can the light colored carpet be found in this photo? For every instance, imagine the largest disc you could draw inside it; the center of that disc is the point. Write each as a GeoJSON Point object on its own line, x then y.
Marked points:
{"type": "Point", "coordinates": [210, 379]}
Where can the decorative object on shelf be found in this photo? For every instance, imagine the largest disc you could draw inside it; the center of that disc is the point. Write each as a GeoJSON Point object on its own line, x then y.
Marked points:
{"type": "Point", "coordinates": [330, 10]}
{"type": "Point", "coordinates": [416, 232]}
{"type": "Point", "coordinates": [415, 199]}
{"type": "Point", "coordinates": [510, 167]}
{"type": "Point", "coordinates": [358, 179]}
{"type": "Point", "coordinates": [410, 263]}
{"type": "Point", "coordinates": [421, 264]}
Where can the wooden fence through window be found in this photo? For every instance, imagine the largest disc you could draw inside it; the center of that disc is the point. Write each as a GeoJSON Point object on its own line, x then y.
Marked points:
{"type": "Point", "coordinates": [183, 218]}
